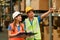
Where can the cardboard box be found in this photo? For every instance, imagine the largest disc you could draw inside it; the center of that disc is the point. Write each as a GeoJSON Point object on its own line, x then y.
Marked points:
{"type": "Point", "coordinates": [23, 5]}
{"type": "Point", "coordinates": [44, 4]}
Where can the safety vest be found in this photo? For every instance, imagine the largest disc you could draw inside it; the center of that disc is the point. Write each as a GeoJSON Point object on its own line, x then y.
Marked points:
{"type": "Point", "coordinates": [15, 31]}
{"type": "Point", "coordinates": [34, 27]}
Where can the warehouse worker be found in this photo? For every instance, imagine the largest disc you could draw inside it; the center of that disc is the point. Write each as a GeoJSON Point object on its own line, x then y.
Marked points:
{"type": "Point", "coordinates": [16, 27]}
{"type": "Point", "coordinates": [32, 23]}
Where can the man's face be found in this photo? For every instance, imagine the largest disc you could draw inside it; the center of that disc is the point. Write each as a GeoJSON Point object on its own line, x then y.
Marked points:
{"type": "Point", "coordinates": [30, 14]}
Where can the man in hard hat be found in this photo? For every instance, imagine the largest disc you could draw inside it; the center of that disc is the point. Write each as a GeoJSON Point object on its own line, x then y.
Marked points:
{"type": "Point", "coordinates": [32, 23]}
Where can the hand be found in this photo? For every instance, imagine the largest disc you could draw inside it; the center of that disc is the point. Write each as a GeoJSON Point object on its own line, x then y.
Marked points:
{"type": "Point", "coordinates": [18, 32]}
{"type": "Point", "coordinates": [51, 10]}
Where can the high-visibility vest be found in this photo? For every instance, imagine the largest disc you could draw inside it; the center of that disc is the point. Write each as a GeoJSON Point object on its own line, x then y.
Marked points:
{"type": "Point", "coordinates": [15, 31]}
{"type": "Point", "coordinates": [34, 27]}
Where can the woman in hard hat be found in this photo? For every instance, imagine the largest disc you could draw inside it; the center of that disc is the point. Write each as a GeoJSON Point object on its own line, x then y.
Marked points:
{"type": "Point", "coordinates": [32, 23]}
{"type": "Point", "coordinates": [15, 27]}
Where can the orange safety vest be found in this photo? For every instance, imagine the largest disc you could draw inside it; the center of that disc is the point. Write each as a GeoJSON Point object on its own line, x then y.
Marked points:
{"type": "Point", "coordinates": [15, 31]}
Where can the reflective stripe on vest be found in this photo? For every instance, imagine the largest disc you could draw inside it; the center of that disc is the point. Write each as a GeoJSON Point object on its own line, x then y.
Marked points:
{"type": "Point", "coordinates": [34, 27]}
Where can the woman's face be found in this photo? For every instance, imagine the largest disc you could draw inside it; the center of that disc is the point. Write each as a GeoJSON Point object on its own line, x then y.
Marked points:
{"type": "Point", "coordinates": [19, 18]}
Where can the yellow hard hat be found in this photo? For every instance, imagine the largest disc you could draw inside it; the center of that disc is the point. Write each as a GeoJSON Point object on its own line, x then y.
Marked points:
{"type": "Point", "coordinates": [28, 9]}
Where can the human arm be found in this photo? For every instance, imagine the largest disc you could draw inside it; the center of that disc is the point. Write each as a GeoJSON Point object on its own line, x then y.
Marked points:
{"type": "Point", "coordinates": [47, 13]}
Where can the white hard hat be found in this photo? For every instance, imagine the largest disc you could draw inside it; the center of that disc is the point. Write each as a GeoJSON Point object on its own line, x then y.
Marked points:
{"type": "Point", "coordinates": [16, 14]}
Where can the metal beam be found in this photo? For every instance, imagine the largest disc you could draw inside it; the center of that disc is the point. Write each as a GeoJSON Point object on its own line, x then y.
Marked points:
{"type": "Point", "coordinates": [50, 21]}
{"type": "Point", "coordinates": [11, 6]}
{"type": "Point", "coordinates": [19, 5]}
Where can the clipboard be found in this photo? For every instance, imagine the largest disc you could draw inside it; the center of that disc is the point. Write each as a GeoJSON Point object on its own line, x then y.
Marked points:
{"type": "Point", "coordinates": [25, 34]}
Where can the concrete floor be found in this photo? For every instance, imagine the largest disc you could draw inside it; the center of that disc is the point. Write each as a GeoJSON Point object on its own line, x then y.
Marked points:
{"type": "Point", "coordinates": [4, 35]}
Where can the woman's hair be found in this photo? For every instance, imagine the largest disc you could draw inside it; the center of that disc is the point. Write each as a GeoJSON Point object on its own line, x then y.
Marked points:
{"type": "Point", "coordinates": [14, 24]}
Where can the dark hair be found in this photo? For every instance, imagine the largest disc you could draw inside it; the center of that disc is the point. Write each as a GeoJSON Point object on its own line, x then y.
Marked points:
{"type": "Point", "coordinates": [14, 24]}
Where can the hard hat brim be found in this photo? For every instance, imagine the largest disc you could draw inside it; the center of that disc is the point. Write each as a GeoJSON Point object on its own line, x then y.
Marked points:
{"type": "Point", "coordinates": [29, 11]}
